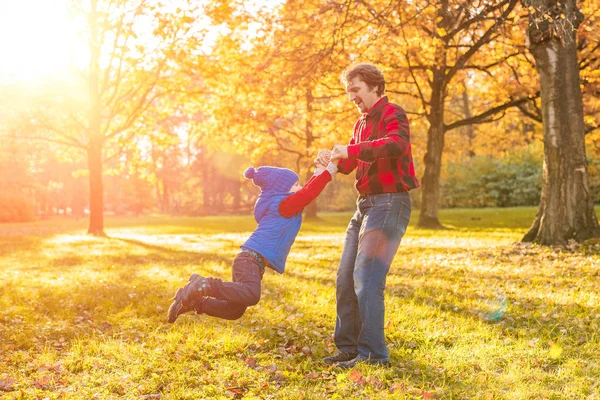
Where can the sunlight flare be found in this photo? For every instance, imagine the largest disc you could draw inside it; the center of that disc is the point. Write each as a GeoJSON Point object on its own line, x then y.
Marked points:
{"type": "Point", "coordinates": [43, 40]}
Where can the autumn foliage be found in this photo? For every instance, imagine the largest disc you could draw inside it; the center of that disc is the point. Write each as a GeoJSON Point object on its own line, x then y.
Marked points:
{"type": "Point", "coordinates": [172, 101]}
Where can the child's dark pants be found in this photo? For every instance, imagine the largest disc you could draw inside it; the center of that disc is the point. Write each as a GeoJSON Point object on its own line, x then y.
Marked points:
{"type": "Point", "coordinates": [229, 300]}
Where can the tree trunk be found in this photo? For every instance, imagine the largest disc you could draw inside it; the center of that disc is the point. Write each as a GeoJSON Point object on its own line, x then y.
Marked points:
{"type": "Point", "coordinates": [566, 207]}
{"type": "Point", "coordinates": [237, 195]}
{"type": "Point", "coordinates": [165, 199]}
{"type": "Point", "coordinates": [430, 183]}
{"type": "Point", "coordinates": [311, 210]}
{"type": "Point", "coordinates": [158, 178]}
{"type": "Point", "coordinates": [470, 130]}
{"type": "Point", "coordinates": [96, 226]}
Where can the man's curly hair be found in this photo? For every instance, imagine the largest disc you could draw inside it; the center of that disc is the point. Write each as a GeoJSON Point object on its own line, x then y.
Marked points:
{"type": "Point", "coordinates": [368, 73]}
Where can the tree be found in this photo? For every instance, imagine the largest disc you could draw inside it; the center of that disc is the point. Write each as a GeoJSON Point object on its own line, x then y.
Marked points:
{"type": "Point", "coordinates": [280, 79]}
{"type": "Point", "coordinates": [455, 33]}
{"type": "Point", "coordinates": [427, 51]}
{"type": "Point", "coordinates": [135, 47]}
{"type": "Point", "coordinates": [566, 207]}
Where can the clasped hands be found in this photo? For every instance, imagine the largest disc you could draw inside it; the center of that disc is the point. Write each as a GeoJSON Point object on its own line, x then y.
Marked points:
{"type": "Point", "coordinates": [334, 155]}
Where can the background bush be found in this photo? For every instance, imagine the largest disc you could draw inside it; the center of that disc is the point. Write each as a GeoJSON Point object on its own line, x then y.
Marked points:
{"type": "Point", "coordinates": [15, 208]}
{"type": "Point", "coordinates": [512, 180]}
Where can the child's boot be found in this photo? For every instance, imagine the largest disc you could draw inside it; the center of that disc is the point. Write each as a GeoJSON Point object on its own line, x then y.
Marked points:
{"type": "Point", "coordinates": [188, 298]}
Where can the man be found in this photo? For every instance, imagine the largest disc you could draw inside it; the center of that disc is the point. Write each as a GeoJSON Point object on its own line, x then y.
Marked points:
{"type": "Point", "coordinates": [380, 152]}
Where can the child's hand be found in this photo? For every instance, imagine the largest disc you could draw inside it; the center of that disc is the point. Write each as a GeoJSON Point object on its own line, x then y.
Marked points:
{"type": "Point", "coordinates": [323, 158]}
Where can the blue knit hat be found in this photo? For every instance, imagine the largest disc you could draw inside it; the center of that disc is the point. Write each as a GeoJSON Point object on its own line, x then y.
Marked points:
{"type": "Point", "coordinates": [272, 178]}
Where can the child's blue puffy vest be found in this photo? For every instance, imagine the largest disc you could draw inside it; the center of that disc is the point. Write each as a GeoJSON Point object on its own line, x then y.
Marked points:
{"type": "Point", "coordinates": [274, 234]}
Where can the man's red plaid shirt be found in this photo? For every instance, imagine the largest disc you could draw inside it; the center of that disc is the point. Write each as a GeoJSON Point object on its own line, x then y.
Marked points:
{"type": "Point", "coordinates": [380, 150]}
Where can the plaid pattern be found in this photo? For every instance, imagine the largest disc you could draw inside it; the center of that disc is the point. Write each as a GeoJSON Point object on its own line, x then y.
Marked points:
{"type": "Point", "coordinates": [380, 151]}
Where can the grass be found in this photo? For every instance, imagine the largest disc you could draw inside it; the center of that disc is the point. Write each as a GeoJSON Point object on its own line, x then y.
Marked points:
{"type": "Point", "coordinates": [85, 318]}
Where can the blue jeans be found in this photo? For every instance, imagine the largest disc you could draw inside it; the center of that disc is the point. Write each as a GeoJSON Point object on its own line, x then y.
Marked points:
{"type": "Point", "coordinates": [229, 300]}
{"type": "Point", "coordinates": [372, 239]}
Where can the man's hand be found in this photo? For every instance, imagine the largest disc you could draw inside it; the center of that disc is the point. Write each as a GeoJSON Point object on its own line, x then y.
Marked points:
{"type": "Point", "coordinates": [323, 158]}
{"type": "Point", "coordinates": [339, 151]}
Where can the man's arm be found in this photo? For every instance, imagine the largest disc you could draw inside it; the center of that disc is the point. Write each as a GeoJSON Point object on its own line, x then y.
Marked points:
{"type": "Point", "coordinates": [347, 165]}
{"type": "Point", "coordinates": [295, 203]}
{"type": "Point", "coordinates": [394, 144]}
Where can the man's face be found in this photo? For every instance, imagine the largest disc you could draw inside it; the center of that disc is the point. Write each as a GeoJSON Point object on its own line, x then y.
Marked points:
{"type": "Point", "coordinates": [361, 95]}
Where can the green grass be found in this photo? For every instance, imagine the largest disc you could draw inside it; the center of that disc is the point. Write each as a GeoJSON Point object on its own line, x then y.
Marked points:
{"type": "Point", "coordinates": [84, 317]}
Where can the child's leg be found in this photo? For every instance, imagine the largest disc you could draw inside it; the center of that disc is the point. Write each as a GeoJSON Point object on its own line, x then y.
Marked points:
{"type": "Point", "coordinates": [221, 308]}
{"type": "Point", "coordinates": [229, 300]}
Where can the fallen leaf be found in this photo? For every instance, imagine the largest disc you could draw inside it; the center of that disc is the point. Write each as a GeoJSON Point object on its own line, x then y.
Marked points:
{"type": "Point", "coordinates": [44, 383]}
{"type": "Point", "coordinates": [251, 362]}
{"type": "Point", "coordinates": [311, 375]}
{"type": "Point", "coordinates": [397, 387]}
{"type": "Point", "coordinates": [357, 377]}
{"type": "Point", "coordinates": [235, 393]}
{"type": "Point", "coordinates": [7, 385]}
{"type": "Point", "coordinates": [376, 383]}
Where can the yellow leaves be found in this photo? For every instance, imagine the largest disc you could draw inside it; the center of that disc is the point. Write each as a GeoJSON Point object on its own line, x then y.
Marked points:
{"type": "Point", "coordinates": [188, 19]}
{"type": "Point", "coordinates": [555, 351]}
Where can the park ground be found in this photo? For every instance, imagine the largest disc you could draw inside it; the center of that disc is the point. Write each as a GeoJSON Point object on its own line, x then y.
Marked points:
{"type": "Point", "coordinates": [471, 313]}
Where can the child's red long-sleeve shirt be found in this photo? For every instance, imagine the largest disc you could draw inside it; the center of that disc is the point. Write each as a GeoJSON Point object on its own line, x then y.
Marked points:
{"type": "Point", "coordinates": [296, 202]}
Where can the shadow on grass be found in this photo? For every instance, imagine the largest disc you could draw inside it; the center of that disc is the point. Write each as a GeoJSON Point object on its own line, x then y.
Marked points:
{"type": "Point", "coordinates": [172, 254]}
{"type": "Point", "coordinates": [158, 254]}
{"type": "Point", "coordinates": [11, 245]}
{"type": "Point", "coordinates": [525, 316]}
{"type": "Point", "coordinates": [127, 308]}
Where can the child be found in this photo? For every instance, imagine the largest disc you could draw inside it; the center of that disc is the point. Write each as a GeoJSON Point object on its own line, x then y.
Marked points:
{"type": "Point", "coordinates": [278, 212]}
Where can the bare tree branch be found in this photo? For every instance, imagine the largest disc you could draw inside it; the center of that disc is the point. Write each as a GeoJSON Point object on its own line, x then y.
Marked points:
{"type": "Point", "coordinates": [477, 119]}
{"type": "Point", "coordinates": [536, 116]}
{"type": "Point", "coordinates": [484, 39]}
{"type": "Point", "coordinates": [46, 139]}
{"type": "Point", "coordinates": [280, 144]}
{"type": "Point", "coordinates": [477, 18]}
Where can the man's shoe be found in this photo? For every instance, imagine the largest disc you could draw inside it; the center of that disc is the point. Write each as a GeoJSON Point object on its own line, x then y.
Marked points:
{"type": "Point", "coordinates": [361, 359]}
{"type": "Point", "coordinates": [340, 356]}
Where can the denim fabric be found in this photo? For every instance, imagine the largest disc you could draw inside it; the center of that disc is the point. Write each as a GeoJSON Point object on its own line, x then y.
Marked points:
{"type": "Point", "coordinates": [229, 300]}
{"type": "Point", "coordinates": [372, 239]}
